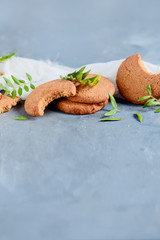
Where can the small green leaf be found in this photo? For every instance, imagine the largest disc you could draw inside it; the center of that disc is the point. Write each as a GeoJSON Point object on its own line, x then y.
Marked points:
{"type": "Point", "coordinates": [144, 98]}
{"type": "Point", "coordinates": [74, 74]}
{"type": "Point", "coordinates": [95, 82]}
{"type": "Point", "coordinates": [7, 92]}
{"type": "Point", "coordinates": [26, 88]}
{"type": "Point", "coordinates": [158, 110]}
{"type": "Point", "coordinates": [15, 80]}
{"type": "Point", "coordinates": [79, 76]}
{"type": "Point", "coordinates": [32, 86]}
{"type": "Point", "coordinates": [21, 118]}
{"type": "Point", "coordinates": [21, 81]}
{"type": "Point", "coordinates": [139, 116]}
{"type": "Point", "coordinates": [85, 74]}
{"type": "Point", "coordinates": [8, 82]}
{"type": "Point", "coordinates": [81, 70]}
{"type": "Point", "coordinates": [113, 101]}
{"type": "Point", "coordinates": [20, 91]}
{"type": "Point", "coordinates": [61, 77]}
{"type": "Point", "coordinates": [3, 87]}
{"type": "Point", "coordinates": [110, 119]}
{"type": "Point", "coordinates": [29, 77]}
{"type": "Point", "coordinates": [110, 113]}
{"type": "Point", "coordinates": [151, 103]}
{"type": "Point", "coordinates": [149, 89]}
{"type": "Point", "coordinates": [7, 57]}
{"type": "Point", "coordinates": [14, 93]}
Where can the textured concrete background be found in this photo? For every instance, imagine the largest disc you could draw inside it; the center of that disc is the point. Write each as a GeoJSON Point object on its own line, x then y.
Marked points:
{"type": "Point", "coordinates": [73, 177]}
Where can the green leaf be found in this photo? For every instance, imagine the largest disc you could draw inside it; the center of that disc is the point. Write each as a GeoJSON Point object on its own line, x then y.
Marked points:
{"type": "Point", "coordinates": [14, 93]}
{"type": "Point", "coordinates": [61, 77]}
{"type": "Point", "coordinates": [15, 80]}
{"type": "Point", "coordinates": [110, 119]}
{"type": "Point", "coordinates": [150, 103]}
{"type": "Point", "coordinates": [7, 92]}
{"type": "Point", "coordinates": [21, 81]}
{"type": "Point", "coordinates": [158, 110]}
{"type": "Point", "coordinates": [29, 77]}
{"type": "Point", "coordinates": [74, 74]}
{"type": "Point", "coordinates": [32, 86]}
{"type": "Point", "coordinates": [139, 116]}
{"type": "Point", "coordinates": [20, 91]}
{"type": "Point", "coordinates": [81, 70]}
{"type": "Point", "coordinates": [21, 118]}
{"type": "Point", "coordinates": [7, 57]}
{"type": "Point", "coordinates": [110, 113]}
{"type": "Point", "coordinates": [3, 87]}
{"type": "Point", "coordinates": [79, 76]}
{"type": "Point", "coordinates": [85, 74]}
{"type": "Point", "coordinates": [8, 82]}
{"type": "Point", "coordinates": [149, 89]}
{"type": "Point", "coordinates": [26, 88]}
{"type": "Point", "coordinates": [144, 98]}
{"type": "Point", "coordinates": [113, 101]}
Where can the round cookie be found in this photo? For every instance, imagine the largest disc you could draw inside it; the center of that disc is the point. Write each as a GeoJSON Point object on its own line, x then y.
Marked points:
{"type": "Point", "coordinates": [42, 95]}
{"type": "Point", "coordinates": [79, 108]}
{"type": "Point", "coordinates": [95, 94]}
{"type": "Point", "coordinates": [133, 79]}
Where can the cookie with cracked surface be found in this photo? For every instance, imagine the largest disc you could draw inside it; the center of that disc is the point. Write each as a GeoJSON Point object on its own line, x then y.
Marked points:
{"type": "Point", "coordinates": [7, 102]}
{"type": "Point", "coordinates": [95, 94]}
{"type": "Point", "coordinates": [68, 106]}
{"type": "Point", "coordinates": [42, 95]}
{"type": "Point", "coordinates": [133, 78]}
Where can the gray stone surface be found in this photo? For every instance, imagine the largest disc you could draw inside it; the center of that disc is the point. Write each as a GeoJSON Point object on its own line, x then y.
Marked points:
{"type": "Point", "coordinates": [73, 177]}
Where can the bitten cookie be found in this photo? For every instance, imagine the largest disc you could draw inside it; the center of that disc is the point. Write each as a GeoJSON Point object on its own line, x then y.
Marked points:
{"type": "Point", "coordinates": [133, 79]}
{"type": "Point", "coordinates": [79, 108]}
{"type": "Point", "coordinates": [7, 102]}
{"type": "Point", "coordinates": [42, 95]}
{"type": "Point", "coordinates": [95, 94]}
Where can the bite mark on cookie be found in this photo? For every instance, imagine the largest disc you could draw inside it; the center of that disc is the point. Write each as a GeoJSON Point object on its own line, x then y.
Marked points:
{"type": "Point", "coordinates": [133, 79]}
{"type": "Point", "coordinates": [41, 96]}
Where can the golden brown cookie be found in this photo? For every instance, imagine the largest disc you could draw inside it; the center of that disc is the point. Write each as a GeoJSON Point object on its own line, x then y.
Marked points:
{"type": "Point", "coordinates": [133, 79]}
{"type": "Point", "coordinates": [79, 108]}
{"type": "Point", "coordinates": [7, 102]}
{"type": "Point", "coordinates": [42, 95]}
{"type": "Point", "coordinates": [95, 94]}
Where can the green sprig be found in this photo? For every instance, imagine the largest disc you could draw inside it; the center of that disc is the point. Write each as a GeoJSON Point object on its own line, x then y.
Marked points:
{"type": "Point", "coordinates": [80, 76]}
{"type": "Point", "coordinates": [151, 101]}
{"type": "Point", "coordinates": [21, 84]}
{"type": "Point", "coordinates": [114, 105]}
{"type": "Point", "coordinates": [2, 59]}
{"type": "Point", "coordinates": [111, 112]}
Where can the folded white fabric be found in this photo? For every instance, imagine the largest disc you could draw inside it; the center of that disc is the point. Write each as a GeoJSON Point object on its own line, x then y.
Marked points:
{"type": "Point", "coordinates": [44, 71]}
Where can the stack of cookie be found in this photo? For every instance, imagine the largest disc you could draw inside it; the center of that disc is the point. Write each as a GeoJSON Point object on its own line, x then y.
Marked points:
{"type": "Point", "coordinates": [88, 99]}
{"type": "Point", "coordinates": [73, 98]}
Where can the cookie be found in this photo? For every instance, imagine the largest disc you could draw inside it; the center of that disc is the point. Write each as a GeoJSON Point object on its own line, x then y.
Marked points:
{"type": "Point", "coordinates": [7, 102]}
{"type": "Point", "coordinates": [42, 95]}
{"type": "Point", "coordinates": [133, 78]}
{"type": "Point", "coordinates": [95, 94]}
{"type": "Point", "coordinates": [79, 108]}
